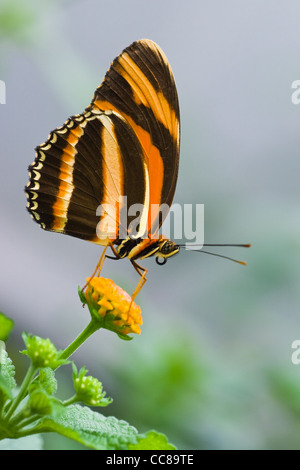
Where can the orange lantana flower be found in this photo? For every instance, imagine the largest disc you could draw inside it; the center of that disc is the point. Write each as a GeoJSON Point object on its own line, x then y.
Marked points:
{"type": "Point", "coordinates": [112, 306]}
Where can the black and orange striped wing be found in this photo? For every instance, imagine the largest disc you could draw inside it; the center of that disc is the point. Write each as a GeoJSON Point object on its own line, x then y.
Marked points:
{"type": "Point", "coordinates": [126, 143]}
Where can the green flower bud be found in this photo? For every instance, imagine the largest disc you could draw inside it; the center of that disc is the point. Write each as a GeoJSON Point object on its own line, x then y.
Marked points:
{"type": "Point", "coordinates": [42, 352]}
{"type": "Point", "coordinates": [40, 403]}
{"type": "Point", "coordinates": [88, 389]}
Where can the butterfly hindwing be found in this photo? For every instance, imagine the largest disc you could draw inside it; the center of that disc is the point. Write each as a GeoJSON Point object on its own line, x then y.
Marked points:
{"type": "Point", "coordinates": [90, 161]}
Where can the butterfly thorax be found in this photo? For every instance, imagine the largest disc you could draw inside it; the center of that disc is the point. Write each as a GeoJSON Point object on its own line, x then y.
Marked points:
{"type": "Point", "coordinates": [141, 248]}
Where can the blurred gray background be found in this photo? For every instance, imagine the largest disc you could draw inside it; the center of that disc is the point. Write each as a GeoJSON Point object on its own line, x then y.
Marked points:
{"type": "Point", "coordinates": [212, 368]}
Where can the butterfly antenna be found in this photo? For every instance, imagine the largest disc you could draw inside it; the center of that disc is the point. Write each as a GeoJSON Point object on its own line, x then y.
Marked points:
{"type": "Point", "coordinates": [247, 245]}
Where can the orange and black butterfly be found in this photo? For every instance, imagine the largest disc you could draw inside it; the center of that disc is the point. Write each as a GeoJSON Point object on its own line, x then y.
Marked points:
{"type": "Point", "coordinates": [124, 145]}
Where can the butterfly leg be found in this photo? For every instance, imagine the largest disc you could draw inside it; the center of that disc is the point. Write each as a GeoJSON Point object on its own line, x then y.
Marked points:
{"type": "Point", "coordinates": [99, 266]}
{"type": "Point", "coordinates": [142, 272]}
{"type": "Point", "coordinates": [117, 256]}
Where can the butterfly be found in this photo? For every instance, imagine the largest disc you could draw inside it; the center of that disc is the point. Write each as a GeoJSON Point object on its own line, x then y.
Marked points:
{"type": "Point", "coordinates": [121, 152]}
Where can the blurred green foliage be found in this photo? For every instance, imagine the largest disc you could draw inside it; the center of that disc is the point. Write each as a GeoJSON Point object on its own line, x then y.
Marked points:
{"type": "Point", "coordinates": [6, 325]}
{"type": "Point", "coordinates": [17, 20]}
{"type": "Point", "coordinates": [161, 384]}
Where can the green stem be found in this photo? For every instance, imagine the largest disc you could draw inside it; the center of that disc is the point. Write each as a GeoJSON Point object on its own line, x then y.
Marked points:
{"type": "Point", "coordinates": [26, 421]}
{"type": "Point", "coordinates": [22, 392]}
{"type": "Point", "coordinates": [71, 400]}
{"type": "Point", "coordinates": [84, 335]}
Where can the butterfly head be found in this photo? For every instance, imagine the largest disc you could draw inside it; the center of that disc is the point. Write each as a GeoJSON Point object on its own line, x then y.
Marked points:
{"type": "Point", "coordinates": [167, 248]}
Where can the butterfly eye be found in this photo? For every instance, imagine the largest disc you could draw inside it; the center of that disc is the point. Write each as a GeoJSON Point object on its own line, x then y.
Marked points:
{"type": "Point", "coordinates": [161, 261]}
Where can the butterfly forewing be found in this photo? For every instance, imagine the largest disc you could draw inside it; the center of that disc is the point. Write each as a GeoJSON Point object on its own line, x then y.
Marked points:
{"type": "Point", "coordinates": [140, 86]}
{"type": "Point", "coordinates": [125, 144]}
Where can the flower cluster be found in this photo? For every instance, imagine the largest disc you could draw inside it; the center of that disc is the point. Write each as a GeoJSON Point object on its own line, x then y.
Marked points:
{"type": "Point", "coordinates": [88, 389]}
{"type": "Point", "coordinates": [42, 352]}
{"type": "Point", "coordinates": [112, 306]}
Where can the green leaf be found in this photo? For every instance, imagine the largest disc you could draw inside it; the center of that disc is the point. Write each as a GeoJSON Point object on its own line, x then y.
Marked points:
{"type": "Point", "coordinates": [7, 373]}
{"type": "Point", "coordinates": [152, 441]}
{"type": "Point", "coordinates": [34, 442]}
{"type": "Point", "coordinates": [82, 295]}
{"type": "Point", "coordinates": [41, 392]}
{"type": "Point", "coordinates": [6, 325]}
{"type": "Point", "coordinates": [90, 428]}
{"type": "Point", "coordinates": [125, 337]}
